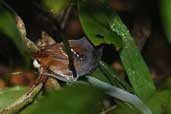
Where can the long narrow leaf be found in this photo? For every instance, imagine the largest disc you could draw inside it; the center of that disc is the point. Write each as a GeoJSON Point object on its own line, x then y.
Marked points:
{"type": "Point", "coordinates": [121, 95]}
{"type": "Point", "coordinates": [133, 62]}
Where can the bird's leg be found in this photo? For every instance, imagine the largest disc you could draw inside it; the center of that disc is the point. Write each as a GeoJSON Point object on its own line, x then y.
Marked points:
{"type": "Point", "coordinates": [40, 79]}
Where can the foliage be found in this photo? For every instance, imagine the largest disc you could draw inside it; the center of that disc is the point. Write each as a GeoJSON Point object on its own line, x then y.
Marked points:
{"type": "Point", "coordinates": [78, 98]}
{"type": "Point", "coordinates": [129, 53]}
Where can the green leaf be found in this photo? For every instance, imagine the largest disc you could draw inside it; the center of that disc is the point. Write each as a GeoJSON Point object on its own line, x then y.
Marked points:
{"type": "Point", "coordinates": [137, 70]}
{"type": "Point", "coordinates": [56, 6]}
{"type": "Point", "coordinates": [10, 95]}
{"type": "Point", "coordinates": [166, 17]}
{"type": "Point", "coordinates": [159, 102]}
{"type": "Point", "coordinates": [76, 99]}
{"type": "Point", "coordinates": [95, 24]}
{"type": "Point", "coordinates": [9, 28]}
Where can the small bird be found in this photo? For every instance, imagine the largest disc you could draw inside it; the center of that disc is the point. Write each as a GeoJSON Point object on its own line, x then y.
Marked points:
{"type": "Point", "coordinates": [55, 59]}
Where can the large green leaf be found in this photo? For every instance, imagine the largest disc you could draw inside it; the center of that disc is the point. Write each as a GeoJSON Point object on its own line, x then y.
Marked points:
{"type": "Point", "coordinates": [9, 28]}
{"type": "Point", "coordinates": [76, 99]}
{"type": "Point", "coordinates": [95, 24]}
{"type": "Point", "coordinates": [103, 21]}
{"type": "Point", "coordinates": [166, 16]}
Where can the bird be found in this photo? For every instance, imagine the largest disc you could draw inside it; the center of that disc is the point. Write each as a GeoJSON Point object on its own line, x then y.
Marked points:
{"type": "Point", "coordinates": [54, 59]}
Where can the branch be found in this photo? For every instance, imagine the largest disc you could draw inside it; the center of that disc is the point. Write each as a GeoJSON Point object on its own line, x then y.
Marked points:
{"type": "Point", "coordinates": [26, 99]}
{"type": "Point", "coordinates": [31, 46]}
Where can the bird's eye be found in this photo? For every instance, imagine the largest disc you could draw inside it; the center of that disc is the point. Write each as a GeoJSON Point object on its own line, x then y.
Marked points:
{"type": "Point", "coordinates": [36, 64]}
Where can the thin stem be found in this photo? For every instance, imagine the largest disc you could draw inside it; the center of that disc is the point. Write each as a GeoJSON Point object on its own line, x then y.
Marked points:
{"type": "Point", "coordinates": [108, 110]}
{"type": "Point", "coordinates": [70, 57]}
{"type": "Point", "coordinates": [112, 77]}
{"type": "Point", "coordinates": [66, 16]}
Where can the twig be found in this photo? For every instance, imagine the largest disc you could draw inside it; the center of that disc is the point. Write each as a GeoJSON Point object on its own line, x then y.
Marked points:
{"type": "Point", "coordinates": [108, 110]}
{"type": "Point", "coordinates": [21, 27]}
{"type": "Point", "coordinates": [66, 16]}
